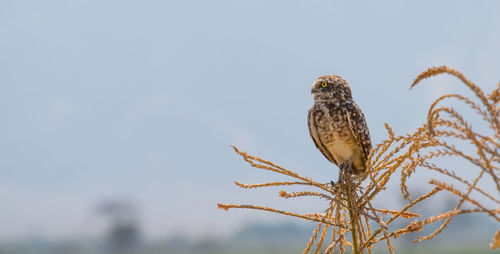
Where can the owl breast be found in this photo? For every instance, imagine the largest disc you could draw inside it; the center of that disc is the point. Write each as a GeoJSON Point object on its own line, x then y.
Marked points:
{"type": "Point", "coordinates": [340, 148]}
{"type": "Point", "coordinates": [335, 134]}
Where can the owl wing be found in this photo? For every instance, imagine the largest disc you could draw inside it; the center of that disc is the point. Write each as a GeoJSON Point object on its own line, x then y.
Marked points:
{"type": "Point", "coordinates": [359, 129]}
{"type": "Point", "coordinates": [315, 137]}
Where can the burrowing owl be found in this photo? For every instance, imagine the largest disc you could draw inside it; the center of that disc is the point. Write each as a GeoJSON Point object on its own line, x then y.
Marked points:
{"type": "Point", "coordinates": [338, 126]}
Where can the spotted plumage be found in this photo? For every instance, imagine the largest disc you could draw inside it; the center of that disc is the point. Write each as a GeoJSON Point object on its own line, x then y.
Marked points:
{"type": "Point", "coordinates": [337, 125]}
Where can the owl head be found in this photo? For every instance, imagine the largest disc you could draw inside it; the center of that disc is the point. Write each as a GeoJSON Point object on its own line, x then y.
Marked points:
{"type": "Point", "coordinates": [330, 87]}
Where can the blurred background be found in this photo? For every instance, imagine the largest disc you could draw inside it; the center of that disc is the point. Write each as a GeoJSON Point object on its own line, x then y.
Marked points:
{"type": "Point", "coordinates": [116, 117]}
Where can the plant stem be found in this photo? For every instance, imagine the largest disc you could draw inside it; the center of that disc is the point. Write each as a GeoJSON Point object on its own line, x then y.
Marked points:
{"type": "Point", "coordinates": [352, 220]}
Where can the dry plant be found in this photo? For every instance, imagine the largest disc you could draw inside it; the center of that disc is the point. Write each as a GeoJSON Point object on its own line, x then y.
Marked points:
{"type": "Point", "coordinates": [350, 214]}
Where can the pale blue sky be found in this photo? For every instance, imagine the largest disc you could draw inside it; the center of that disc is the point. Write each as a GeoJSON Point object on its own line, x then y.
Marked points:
{"type": "Point", "coordinates": [141, 99]}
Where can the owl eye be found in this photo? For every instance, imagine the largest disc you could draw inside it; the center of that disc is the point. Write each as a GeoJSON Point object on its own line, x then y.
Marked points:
{"type": "Point", "coordinates": [324, 84]}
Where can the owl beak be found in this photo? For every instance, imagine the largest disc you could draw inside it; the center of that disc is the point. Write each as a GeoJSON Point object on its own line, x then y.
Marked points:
{"type": "Point", "coordinates": [315, 93]}
{"type": "Point", "coordinates": [314, 90]}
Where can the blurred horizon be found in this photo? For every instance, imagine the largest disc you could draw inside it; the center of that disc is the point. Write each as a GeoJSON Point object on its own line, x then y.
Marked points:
{"type": "Point", "coordinates": [272, 238]}
{"type": "Point", "coordinates": [140, 101]}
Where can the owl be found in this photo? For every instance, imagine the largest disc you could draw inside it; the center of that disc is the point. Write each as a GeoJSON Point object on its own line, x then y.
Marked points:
{"type": "Point", "coordinates": [337, 125]}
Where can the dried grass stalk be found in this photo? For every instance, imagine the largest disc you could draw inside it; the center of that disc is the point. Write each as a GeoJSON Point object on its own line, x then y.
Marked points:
{"type": "Point", "coordinates": [350, 209]}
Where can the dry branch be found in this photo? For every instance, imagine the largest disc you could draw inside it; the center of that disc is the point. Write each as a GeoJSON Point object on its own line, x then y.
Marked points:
{"type": "Point", "coordinates": [350, 209]}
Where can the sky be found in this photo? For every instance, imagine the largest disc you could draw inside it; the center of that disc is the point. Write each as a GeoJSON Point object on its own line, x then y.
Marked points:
{"type": "Point", "coordinates": [141, 100]}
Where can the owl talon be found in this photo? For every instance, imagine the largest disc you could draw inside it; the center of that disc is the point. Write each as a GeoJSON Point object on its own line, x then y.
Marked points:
{"type": "Point", "coordinates": [335, 185]}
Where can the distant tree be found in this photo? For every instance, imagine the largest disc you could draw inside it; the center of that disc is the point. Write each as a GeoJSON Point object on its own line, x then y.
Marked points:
{"type": "Point", "coordinates": [123, 232]}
